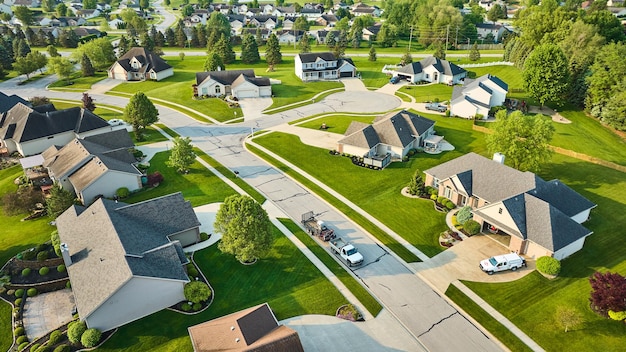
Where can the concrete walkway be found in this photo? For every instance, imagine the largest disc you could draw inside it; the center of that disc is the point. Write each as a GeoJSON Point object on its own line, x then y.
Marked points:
{"type": "Point", "coordinates": [46, 312]}
{"type": "Point", "coordinates": [317, 138]}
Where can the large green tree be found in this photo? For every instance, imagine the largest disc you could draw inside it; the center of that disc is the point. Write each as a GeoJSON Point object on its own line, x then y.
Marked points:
{"type": "Point", "coordinates": [62, 66]}
{"type": "Point", "coordinates": [607, 71]}
{"type": "Point", "coordinates": [245, 228]}
{"type": "Point", "coordinates": [213, 62]}
{"type": "Point", "coordinates": [140, 112]}
{"type": "Point", "coordinates": [59, 201]}
{"type": "Point", "coordinates": [546, 74]}
{"type": "Point", "coordinates": [100, 51]}
{"type": "Point", "coordinates": [304, 45]}
{"type": "Point", "coordinates": [24, 14]}
{"type": "Point", "coordinates": [523, 139]}
{"type": "Point", "coordinates": [86, 67]}
{"type": "Point", "coordinates": [273, 56]}
{"type": "Point", "coordinates": [182, 155]}
{"type": "Point", "coordinates": [249, 50]}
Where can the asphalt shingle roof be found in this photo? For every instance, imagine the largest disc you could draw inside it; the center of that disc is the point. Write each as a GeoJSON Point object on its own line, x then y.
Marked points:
{"type": "Point", "coordinates": [9, 101]}
{"type": "Point", "coordinates": [442, 66]}
{"type": "Point", "coordinates": [149, 60]}
{"type": "Point", "coordinates": [312, 57]}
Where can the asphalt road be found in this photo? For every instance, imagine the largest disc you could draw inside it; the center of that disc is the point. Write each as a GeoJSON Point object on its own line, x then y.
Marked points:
{"type": "Point", "coordinates": [422, 311]}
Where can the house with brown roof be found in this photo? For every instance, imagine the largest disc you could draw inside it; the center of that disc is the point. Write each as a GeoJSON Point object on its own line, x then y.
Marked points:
{"type": "Point", "coordinates": [30, 131]}
{"type": "Point", "coordinates": [95, 166]}
{"type": "Point", "coordinates": [139, 64]}
{"type": "Point", "coordinates": [253, 329]}
{"type": "Point", "coordinates": [238, 83]}
{"type": "Point", "coordinates": [540, 217]}
{"type": "Point", "coordinates": [389, 138]}
{"type": "Point", "coordinates": [126, 261]}
{"type": "Point", "coordinates": [433, 70]}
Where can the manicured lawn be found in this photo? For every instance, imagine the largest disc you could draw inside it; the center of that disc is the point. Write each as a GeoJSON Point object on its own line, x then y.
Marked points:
{"type": "Point", "coordinates": [371, 71]}
{"type": "Point", "coordinates": [6, 330]}
{"type": "Point", "coordinates": [336, 123]}
{"type": "Point", "coordinates": [370, 303]}
{"type": "Point", "coordinates": [428, 92]}
{"type": "Point", "coordinates": [536, 298]}
{"type": "Point", "coordinates": [77, 82]}
{"type": "Point", "coordinates": [150, 135]}
{"type": "Point", "coordinates": [286, 280]}
{"type": "Point", "coordinates": [199, 186]}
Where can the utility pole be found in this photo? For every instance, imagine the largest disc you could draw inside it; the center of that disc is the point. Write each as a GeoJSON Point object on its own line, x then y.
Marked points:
{"type": "Point", "coordinates": [447, 33]}
{"type": "Point", "coordinates": [410, 38]}
{"type": "Point", "coordinates": [456, 39]}
{"type": "Point", "coordinates": [468, 48]}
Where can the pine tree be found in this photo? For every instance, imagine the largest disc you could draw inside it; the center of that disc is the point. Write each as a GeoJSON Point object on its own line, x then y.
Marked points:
{"type": "Point", "coordinates": [273, 56]}
{"type": "Point", "coordinates": [171, 37]}
{"type": "Point", "coordinates": [372, 56]}
{"type": "Point", "coordinates": [474, 54]}
{"type": "Point", "coordinates": [225, 50]}
{"type": "Point", "coordinates": [330, 40]}
{"type": "Point", "coordinates": [181, 37]}
{"type": "Point", "coordinates": [159, 40]}
{"type": "Point", "coordinates": [249, 50]}
{"type": "Point", "coordinates": [123, 46]}
{"type": "Point", "coordinates": [304, 45]}
{"type": "Point", "coordinates": [86, 67]}
{"type": "Point", "coordinates": [213, 62]}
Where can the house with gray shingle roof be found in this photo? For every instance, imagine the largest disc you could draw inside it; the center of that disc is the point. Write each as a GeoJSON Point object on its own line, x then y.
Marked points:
{"type": "Point", "coordinates": [94, 166]}
{"type": "Point", "coordinates": [238, 83]}
{"type": "Point", "coordinates": [391, 136]}
{"type": "Point", "coordinates": [478, 96]}
{"type": "Point", "coordinates": [433, 70]}
{"type": "Point", "coordinates": [139, 64]}
{"type": "Point", "coordinates": [9, 101]}
{"type": "Point", "coordinates": [30, 131]}
{"type": "Point", "coordinates": [323, 66]}
{"type": "Point", "coordinates": [126, 261]}
{"type": "Point", "coordinates": [541, 217]}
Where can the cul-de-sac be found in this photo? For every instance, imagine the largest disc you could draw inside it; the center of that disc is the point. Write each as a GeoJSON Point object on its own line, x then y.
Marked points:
{"type": "Point", "coordinates": [253, 175]}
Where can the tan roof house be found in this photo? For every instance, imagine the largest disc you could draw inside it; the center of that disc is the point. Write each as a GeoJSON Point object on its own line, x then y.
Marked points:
{"type": "Point", "coordinates": [541, 217]}
{"type": "Point", "coordinates": [139, 64]}
{"type": "Point", "coordinates": [253, 329]}
{"type": "Point", "coordinates": [94, 166]}
{"type": "Point", "coordinates": [126, 261]}
{"type": "Point", "coordinates": [238, 83]}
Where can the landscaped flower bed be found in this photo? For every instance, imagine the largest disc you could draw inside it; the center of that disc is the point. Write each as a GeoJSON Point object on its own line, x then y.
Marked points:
{"type": "Point", "coordinates": [349, 312]}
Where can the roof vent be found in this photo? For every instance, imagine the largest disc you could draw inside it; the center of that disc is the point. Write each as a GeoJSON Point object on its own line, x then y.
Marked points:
{"type": "Point", "coordinates": [232, 328]}
{"type": "Point", "coordinates": [65, 253]}
{"type": "Point", "coordinates": [237, 340]}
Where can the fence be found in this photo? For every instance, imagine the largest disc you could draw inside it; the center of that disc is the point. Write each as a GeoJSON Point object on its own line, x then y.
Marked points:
{"type": "Point", "coordinates": [485, 64]}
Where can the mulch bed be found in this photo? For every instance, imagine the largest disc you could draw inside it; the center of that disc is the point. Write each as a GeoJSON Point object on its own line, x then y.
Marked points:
{"type": "Point", "coordinates": [35, 278]}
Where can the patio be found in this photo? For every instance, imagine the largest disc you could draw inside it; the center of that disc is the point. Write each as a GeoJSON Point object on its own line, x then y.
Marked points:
{"type": "Point", "coordinates": [434, 144]}
{"type": "Point", "coordinates": [47, 311]}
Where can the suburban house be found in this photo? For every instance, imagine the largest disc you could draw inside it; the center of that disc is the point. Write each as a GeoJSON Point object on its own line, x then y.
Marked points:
{"type": "Point", "coordinates": [541, 217]}
{"type": "Point", "coordinates": [264, 21]}
{"type": "Point", "coordinates": [497, 30]}
{"type": "Point", "coordinates": [323, 66]}
{"type": "Point", "coordinates": [327, 21]}
{"type": "Point", "coordinates": [126, 261]}
{"type": "Point", "coordinates": [478, 96]}
{"type": "Point", "coordinates": [360, 9]}
{"type": "Point", "coordinates": [433, 70]}
{"type": "Point", "coordinates": [322, 35]}
{"type": "Point", "coordinates": [289, 37]}
{"type": "Point", "coordinates": [94, 166]}
{"type": "Point", "coordinates": [238, 83]}
{"type": "Point", "coordinates": [9, 101]}
{"type": "Point", "coordinates": [30, 131]}
{"type": "Point", "coordinates": [288, 23]}
{"type": "Point", "coordinates": [389, 138]}
{"type": "Point", "coordinates": [371, 32]}
{"type": "Point", "coordinates": [312, 11]}
{"type": "Point", "coordinates": [253, 329]}
{"type": "Point", "coordinates": [139, 64]}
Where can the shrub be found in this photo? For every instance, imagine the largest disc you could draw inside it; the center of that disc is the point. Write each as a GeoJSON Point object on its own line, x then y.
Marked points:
{"type": "Point", "coordinates": [441, 199]}
{"type": "Point", "coordinates": [91, 337]}
{"type": "Point", "coordinates": [42, 247]}
{"type": "Point", "coordinates": [62, 348]}
{"type": "Point", "coordinates": [34, 347]}
{"type": "Point", "coordinates": [55, 337]}
{"type": "Point", "coordinates": [44, 271]}
{"type": "Point", "coordinates": [22, 346]}
{"type": "Point", "coordinates": [43, 348]}
{"type": "Point", "coordinates": [41, 256]}
{"type": "Point", "coordinates": [191, 270]}
{"type": "Point", "coordinates": [19, 292]}
{"type": "Point", "coordinates": [433, 197]}
{"type": "Point", "coordinates": [197, 291]}
{"type": "Point", "coordinates": [448, 113]}
{"type": "Point", "coordinates": [548, 265]}
{"type": "Point", "coordinates": [186, 307]}
{"type": "Point", "coordinates": [68, 284]}
{"type": "Point", "coordinates": [32, 292]}
{"type": "Point", "coordinates": [26, 272]}
{"type": "Point", "coordinates": [21, 340]}
{"type": "Point", "coordinates": [464, 215]}
{"type": "Point", "coordinates": [18, 302]}
{"type": "Point", "coordinates": [450, 205]}
{"type": "Point", "coordinates": [137, 153]}
{"type": "Point", "coordinates": [155, 178]}
{"type": "Point", "coordinates": [29, 254]}
{"type": "Point", "coordinates": [61, 268]}
{"type": "Point", "coordinates": [197, 306]}
{"type": "Point", "coordinates": [619, 316]}
{"type": "Point", "coordinates": [18, 331]}
{"type": "Point", "coordinates": [204, 236]}
{"type": "Point", "coordinates": [471, 227]}
{"type": "Point", "coordinates": [10, 292]}
{"type": "Point", "coordinates": [122, 192]}
{"type": "Point", "coordinates": [75, 330]}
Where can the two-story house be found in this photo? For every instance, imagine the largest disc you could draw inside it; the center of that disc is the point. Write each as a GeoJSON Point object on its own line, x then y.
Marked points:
{"type": "Point", "coordinates": [323, 66]}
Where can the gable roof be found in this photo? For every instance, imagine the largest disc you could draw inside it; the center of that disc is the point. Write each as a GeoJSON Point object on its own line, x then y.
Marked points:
{"type": "Point", "coordinates": [482, 82]}
{"type": "Point", "coordinates": [22, 123]}
{"type": "Point", "coordinates": [111, 242]}
{"type": "Point", "coordinates": [312, 57]}
{"type": "Point", "coordinates": [149, 60]}
{"type": "Point", "coordinates": [442, 66]}
{"type": "Point", "coordinates": [9, 101]}
{"type": "Point", "coordinates": [252, 329]}
{"type": "Point", "coordinates": [223, 77]}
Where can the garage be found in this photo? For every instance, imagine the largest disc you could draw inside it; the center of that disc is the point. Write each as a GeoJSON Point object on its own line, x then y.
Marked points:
{"type": "Point", "coordinates": [246, 93]}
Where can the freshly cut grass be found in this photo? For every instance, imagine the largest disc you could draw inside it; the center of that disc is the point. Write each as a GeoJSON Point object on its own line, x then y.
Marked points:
{"type": "Point", "coordinates": [428, 92]}
{"type": "Point", "coordinates": [77, 82]}
{"type": "Point", "coordinates": [337, 123]}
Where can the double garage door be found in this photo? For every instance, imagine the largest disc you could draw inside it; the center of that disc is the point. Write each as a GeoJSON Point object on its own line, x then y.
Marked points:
{"type": "Point", "coordinates": [247, 93]}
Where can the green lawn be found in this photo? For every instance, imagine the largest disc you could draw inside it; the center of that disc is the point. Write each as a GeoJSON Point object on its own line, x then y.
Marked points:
{"type": "Point", "coordinates": [427, 92]}
{"type": "Point", "coordinates": [77, 82]}
{"type": "Point", "coordinates": [150, 135]}
{"type": "Point", "coordinates": [6, 330]}
{"type": "Point", "coordinates": [336, 123]}
{"type": "Point", "coordinates": [285, 279]}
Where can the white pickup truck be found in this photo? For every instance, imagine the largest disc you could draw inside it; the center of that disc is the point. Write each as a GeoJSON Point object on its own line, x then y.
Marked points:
{"type": "Point", "coordinates": [347, 251]}
{"type": "Point", "coordinates": [511, 261]}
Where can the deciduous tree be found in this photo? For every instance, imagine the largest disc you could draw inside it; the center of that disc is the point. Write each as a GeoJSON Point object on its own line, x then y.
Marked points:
{"type": "Point", "coordinates": [245, 227]}
{"type": "Point", "coordinates": [140, 112]}
{"type": "Point", "coordinates": [568, 317]}
{"type": "Point", "coordinates": [88, 103]}
{"type": "Point", "coordinates": [372, 54]}
{"type": "Point", "coordinates": [182, 155]}
{"type": "Point", "coordinates": [608, 292]}
{"type": "Point", "coordinates": [24, 14]}
{"type": "Point", "coordinates": [474, 54]}
{"type": "Point", "coordinates": [86, 67]}
{"type": "Point", "coordinates": [546, 74]}
{"type": "Point", "coordinates": [304, 45]}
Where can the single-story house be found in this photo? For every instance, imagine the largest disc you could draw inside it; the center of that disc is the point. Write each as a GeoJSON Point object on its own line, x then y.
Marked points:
{"type": "Point", "coordinates": [321, 35]}
{"type": "Point", "coordinates": [238, 83]}
{"type": "Point", "coordinates": [360, 9]}
{"type": "Point", "coordinates": [139, 64]}
{"type": "Point", "coordinates": [253, 329]}
{"type": "Point", "coordinates": [323, 66]}
{"type": "Point", "coordinates": [327, 21]}
{"type": "Point", "coordinates": [289, 37]}
{"type": "Point", "coordinates": [390, 137]}
{"type": "Point", "coordinates": [371, 32]}
{"type": "Point", "coordinates": [126, 261]}
{"type": "Point", "coordinates": [543, 218]}
{"type": "Point", "coordinates": [94, 166]}
{"type": "Point", "coordinates": [478, 96]}
{"type": "Point", "coordinates": [30, 131]}
{"type": "Point", "coordinates": [433, 70]}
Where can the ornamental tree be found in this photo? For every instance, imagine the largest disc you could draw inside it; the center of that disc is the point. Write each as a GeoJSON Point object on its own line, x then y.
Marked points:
{"type": "Point", "coordinates": [140, 112]}
{"type": "Point", "coordinates": [59, 201]}
{"type": "Point", "coordinates": [197, 291]}
{"type": "Point", "coordinates": [245, 227]}
{"type": "Point", "coordinates": [568, 317]}
{"type": "Point", "coordinates": [416, 184]}
{"type": "Point", "coordinates": [608, 292]}
{"type": "Point", "coordinates": [88, 103]}
{"type": "Point", "coordinates": [546, 73]}
{"type": "Point", "coordinates": [182, 155]}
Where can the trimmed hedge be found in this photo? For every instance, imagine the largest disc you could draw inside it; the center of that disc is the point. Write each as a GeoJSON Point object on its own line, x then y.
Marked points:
{"type": "Point", "coordinates": [68, 284]}
{"type": "Point", "coordinates": [26, 272]}
{"type": "Point", "coordinates": [122, 192]}
{"type": "Point", "coordinates": [196, 291]}
{"type": "Point", "coordinates": [32, 292]}
{"type": "Point", "coordinates": [55, 337]}
{"type": "Point", "coordinates": [61, 268]}
{"type": "Point", "coordinates": [62, 348]}
{"type": "Point", "coordinates": [41, 256]}
{"type": "Point", "coordinates": [91, 338]}
{"type": "Point", "coordinates": [471, 227]}
{"type": "Point", "coordinates": [548, 265]}
{"type": "Point", "coordinates": [19, 292]}
{"type": "Point", "coordinates": [186, 307]}
{"type": "Point", "coordinates": [20, 340]}
{"type": "Point", "coordinates": [18, 302]}
{"type": "Point", "coordinates": [22, 346]}
{"type": "Point", "coordinates": [34, 347]}
{"type": "Point", "coordinates": [44, 271]}
{"type": "Point", "coordinates": [204, 236]}
{"type": "Point", "coordinates": [75, 331]}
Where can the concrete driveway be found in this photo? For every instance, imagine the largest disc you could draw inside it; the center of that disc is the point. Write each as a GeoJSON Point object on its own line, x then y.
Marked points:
{"type": "Point", "coordinates": [460, 262]}
{"type": "Point", "coordinates": [252, 107]}
{"type": "Point", "coordinates": [47, 311]}
{"type": "Point", "coordinates": [316, 138]}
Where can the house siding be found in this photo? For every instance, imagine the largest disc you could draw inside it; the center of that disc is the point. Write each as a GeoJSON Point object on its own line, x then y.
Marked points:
{"type": "Point", "coordinates": [108, 184]}
{"type": "Point", "coordinates": [118, 72]}
{"type": "Point", "coordinates": [353, 150]}
{"type": "Point", "coordinates": [582, 216]}
{"type": "Point", "coordinates": [533, 250]}
{"type": "Point", "coordinates": [186, 238]}
{"type": "Point", "coordinates": [164, 74]}
{"type": "Point", "coordinates": [570, 249]}
{"type": "Point", "coordinates": [138, 298]}
{"type": "Point", "coordinates": [37, 146]}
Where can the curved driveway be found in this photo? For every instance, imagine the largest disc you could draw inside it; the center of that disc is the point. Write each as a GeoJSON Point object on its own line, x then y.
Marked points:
{"type": "Point", "coordinates": [422, 311]}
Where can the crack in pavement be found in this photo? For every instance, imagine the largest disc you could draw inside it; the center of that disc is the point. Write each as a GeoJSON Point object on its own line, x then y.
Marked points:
{"type": "Point", "coordinates": [437, 323]}
{"type": "Point", "coordinates": [372, 262]}
{"type": "Point", "coordinates": [293, 196]}
{"type": "Point", "coordinates": [258, 172]}
{"type": "Point", "coordinates": [272, 180]}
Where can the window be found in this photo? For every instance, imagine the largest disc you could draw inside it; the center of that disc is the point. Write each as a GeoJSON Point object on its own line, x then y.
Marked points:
{"type": "Point", "coordinates": [463, 200]}
{"type": "Point", "coordinates": [447, 192]}
{"type": "Point", "coordinates": [218, 89]}
{"type": "Point", "coordinates": [475, 203]}
{"type": "Point", "coordinates": [435, 182]}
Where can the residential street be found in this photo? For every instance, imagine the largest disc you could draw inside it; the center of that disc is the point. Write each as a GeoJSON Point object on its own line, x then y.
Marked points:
{"type": "Point", "coordinates": [428, 316]}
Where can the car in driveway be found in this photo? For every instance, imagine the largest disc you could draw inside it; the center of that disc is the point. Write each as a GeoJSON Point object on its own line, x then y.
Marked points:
{"type": "Point", "coordinates": [116, 122]}
{"type": "Point", "coordinates": [436, 107]}
{"type": "Point", "coordinates": [394, 80]}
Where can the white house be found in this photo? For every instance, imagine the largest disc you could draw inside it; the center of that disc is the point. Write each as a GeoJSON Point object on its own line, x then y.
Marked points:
{"type": "Point", "coordinates": [478, 96]}
{"type": "Point", "coordinates": [289, 37]}
{"type": "Point", "coordinates": [323, 66]}
{"type": "Point", "coordinates": [30, 131]}
{"type": "Point", "coordinates": [433, 70]}
{"type": "Point", "coordinates": [139, 64]}
{"type": "Point", "coordinates": [541, 217]}
{"type": "Point", "coordinates": [126, 261]}
{"type": "Point", "coordinates": [238, 83]}
{"type": "Point", "coordinates": [94, 166]}
{"type": "Point", "coordinates": [497, 30]}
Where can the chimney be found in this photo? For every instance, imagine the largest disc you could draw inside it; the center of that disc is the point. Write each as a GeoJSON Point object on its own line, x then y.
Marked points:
{"type": "Point", "coordinates": [498, 157]}
{"type": "Point", "coordinates": [65, 252]}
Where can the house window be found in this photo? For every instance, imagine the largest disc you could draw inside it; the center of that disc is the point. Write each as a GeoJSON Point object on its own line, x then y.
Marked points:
{"type": "Point", "coordinates": [218, 89]}
{"type": "Point", "coordinates": [447, 192]}
{"type": "Point", "coordinates": [475, 203]}
{"type": "Point", "coordinates": [204, 91]}
{"type": "Point", "coordinates": [435, 182]}
{"type": "Point", "coordinates": [463, 200]}
{"type": "Point", "coordinates": [426, 76]}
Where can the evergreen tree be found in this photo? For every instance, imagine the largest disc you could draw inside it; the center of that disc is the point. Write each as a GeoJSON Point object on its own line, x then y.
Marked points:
{"type": "Point", "coordinates": [59, 201]}
{"type": "Point", "coordinates": [258, 37]}
{"type": "Point", "coordinates": [474, 54]}
{"type": "Point", "coordinates": [159, 40]}
{"type": "Point", "coordinates": [342, 43]}
{"type": "Point", "coordinates": [52, 51]}
{"type": "Point", "coordinates": [195, 41]}
{"type": "Point", "coordinates": [181, 37]}
{"type": "Point", "coordinates": [202, 38]}
{"type": "Point", "coordinates": [273, 56]}
{"type": "Point", "coordinates": [224, 49]}
{"type": "Point", "coordinates": [123, 46]}
{"type": "Point", "coordinates": [372, 56]}
{"type": "Point", "coordinates": [213, 61]}
{"type": "Point", "coordinates": [86, 67]}
{"type": "Point", "coordinates": [170, 36]}
{"type": "Point", "coordinates": [249, 50]}
{"type": "Point", "coordinates": [6, 60]}
{"type": "Point", "coordinates": [330, 40]}
{"type": "Point", "coordinates": [147, 42]}
{"type": "Point", "coordinates": [304, 45]}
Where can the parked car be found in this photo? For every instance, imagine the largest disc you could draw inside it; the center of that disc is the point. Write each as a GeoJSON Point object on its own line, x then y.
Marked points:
{"type": "Point", "coordinates": [394, 79]}
{"type": "Point", "coordinates": [436, 107]}
{"type": "Point", "coordinates": [116, 122]}
{"type": "Point", "coordinates": [511, 261]}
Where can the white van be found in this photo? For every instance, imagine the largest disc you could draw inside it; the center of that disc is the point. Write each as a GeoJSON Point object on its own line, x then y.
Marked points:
{"type": "Point", "coordinates": [511, 261]}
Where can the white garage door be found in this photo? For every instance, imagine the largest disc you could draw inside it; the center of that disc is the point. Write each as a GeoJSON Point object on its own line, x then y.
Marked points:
{"type": "Point", "coordinates": [247, 94]}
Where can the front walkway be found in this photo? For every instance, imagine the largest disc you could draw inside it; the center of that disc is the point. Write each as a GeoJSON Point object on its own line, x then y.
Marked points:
{"type": "Point", "coordinates": [316, 138]}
